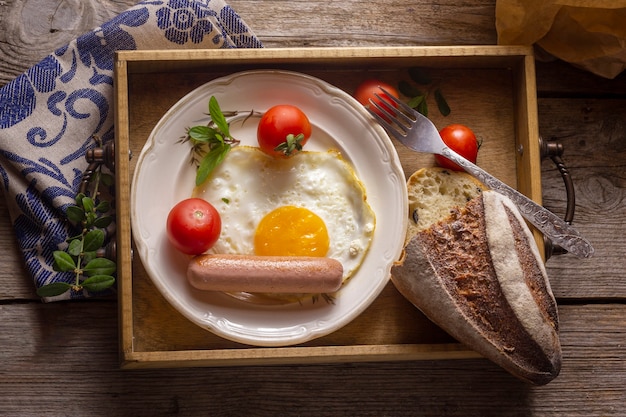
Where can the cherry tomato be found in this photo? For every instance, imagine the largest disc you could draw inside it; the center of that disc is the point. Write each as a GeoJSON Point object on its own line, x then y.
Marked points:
{"type": "Point", "coordinates": [193, 226]}
{"type": "Point", "coordinates": [366, 90]}
{"type": "Point", "coordinates": [283, 131]}
{"type": "Point", "coordinates": [460, 139]}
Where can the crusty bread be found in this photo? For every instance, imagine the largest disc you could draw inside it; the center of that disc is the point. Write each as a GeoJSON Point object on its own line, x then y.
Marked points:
{"type": "Point", "coordinates": [433, 192]}
{"type": "Point", "coordinates": [477, 273]}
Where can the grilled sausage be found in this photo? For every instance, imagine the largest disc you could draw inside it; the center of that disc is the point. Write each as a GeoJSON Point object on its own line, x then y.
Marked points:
{"type": "Point", "coordinates": [265, 274]}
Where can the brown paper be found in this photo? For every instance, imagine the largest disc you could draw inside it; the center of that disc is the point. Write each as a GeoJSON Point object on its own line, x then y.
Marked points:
{"type": "Point", "coordinates": [590, 34]}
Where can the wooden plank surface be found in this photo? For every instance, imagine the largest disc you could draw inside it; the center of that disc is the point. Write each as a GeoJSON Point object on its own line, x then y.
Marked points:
{"type": "Point", "coordinates": [62, 359]}
{"type": "Point", "coordinates": [61, 366]}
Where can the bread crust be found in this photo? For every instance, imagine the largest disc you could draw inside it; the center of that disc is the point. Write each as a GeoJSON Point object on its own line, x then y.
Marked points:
{"type": "Point", "coordinates": [479, 276]}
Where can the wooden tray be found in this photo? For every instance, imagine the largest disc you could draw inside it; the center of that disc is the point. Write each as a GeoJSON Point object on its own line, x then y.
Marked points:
{"type": "Point", "coordinates": [490, 88]}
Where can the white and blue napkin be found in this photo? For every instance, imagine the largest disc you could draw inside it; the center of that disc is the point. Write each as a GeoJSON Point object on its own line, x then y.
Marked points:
{"type": "Point", "coordinates": [49, 114]}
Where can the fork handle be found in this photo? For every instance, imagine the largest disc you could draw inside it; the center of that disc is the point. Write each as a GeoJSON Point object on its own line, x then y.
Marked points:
{"type": "Point", "coordinates": [552, 226]}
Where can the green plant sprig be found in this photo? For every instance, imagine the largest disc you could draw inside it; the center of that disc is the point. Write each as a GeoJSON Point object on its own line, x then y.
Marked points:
{"type": "Point", "coordinates": [211, 143]}
{"type": "Point", "coordinates": [91, 272]}
{"type": "Point", "coordinates": [418, 98]}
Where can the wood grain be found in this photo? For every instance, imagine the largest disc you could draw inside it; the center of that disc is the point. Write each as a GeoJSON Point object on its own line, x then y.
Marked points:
{"type": "Point", "coordinates": [593, 133]}
{"type": "Point", "coordinates": [377, 22]}
{"type": "Point", "coordinates": [72, 370]}
{"type": "Point", "coordinates": [62, 359]}
{"type": "Point", "coordinates": [31, 29]}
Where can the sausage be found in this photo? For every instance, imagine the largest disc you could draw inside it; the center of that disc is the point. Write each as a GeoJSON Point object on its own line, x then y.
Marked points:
{"type": "Point", "coordinates": [265, 274]}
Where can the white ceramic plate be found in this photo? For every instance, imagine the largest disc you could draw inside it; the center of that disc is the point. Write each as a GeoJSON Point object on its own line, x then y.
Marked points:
{"type": "Point", "coordinates": [163, 176]}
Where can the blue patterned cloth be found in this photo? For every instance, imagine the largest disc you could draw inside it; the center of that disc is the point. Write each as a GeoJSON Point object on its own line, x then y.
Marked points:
{"type": "Point", "coordinates": [49, 114]}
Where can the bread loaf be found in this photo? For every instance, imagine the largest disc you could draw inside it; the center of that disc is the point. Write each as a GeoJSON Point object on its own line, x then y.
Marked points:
{"type": "Point", "coordinates": [433, 192]}
{"type": "Point", "coordinates": [477, 273]}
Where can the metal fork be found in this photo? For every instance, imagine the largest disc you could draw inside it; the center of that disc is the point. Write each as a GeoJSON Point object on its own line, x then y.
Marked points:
{"type": "Point", "coordinates": [417, 132]}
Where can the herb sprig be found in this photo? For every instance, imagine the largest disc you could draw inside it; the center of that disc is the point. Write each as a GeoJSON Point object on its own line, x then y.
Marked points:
{"type": "Point", "coordinates": [89, 214]}
{"type": "Point", "coordinates": [212, 142]}
{"type": "Point", "coordinates": [418, 98]}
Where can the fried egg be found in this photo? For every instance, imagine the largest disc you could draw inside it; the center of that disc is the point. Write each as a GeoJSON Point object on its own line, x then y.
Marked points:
{"type": "Point", "coordinates": [311, 204]}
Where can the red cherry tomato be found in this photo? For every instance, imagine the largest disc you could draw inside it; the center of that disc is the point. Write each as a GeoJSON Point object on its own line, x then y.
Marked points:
{"type": "Point", "coordinates": [367, 90]}
{"type": "Point", "coordinates": [461, 140]}
{"type": "Point", "coordinates": [283, 131]}
{"type": "Point", "coordinates": [193, 226]}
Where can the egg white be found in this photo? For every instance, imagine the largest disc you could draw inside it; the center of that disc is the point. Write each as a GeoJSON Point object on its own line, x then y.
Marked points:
{"type": "Point", "coordinates": [248, 184]}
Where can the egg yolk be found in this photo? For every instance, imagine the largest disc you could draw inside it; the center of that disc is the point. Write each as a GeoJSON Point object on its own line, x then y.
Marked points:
{"type": "Point", "coordinates": [291, 231]}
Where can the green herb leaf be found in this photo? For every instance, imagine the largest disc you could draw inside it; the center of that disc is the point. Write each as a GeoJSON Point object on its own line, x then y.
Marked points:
{"type": "Point", "coordinates": [409, 90]}
{"type": "Point", "coordinates": [103, 207]}
{"type": "Point", "coordinates": [79, 197]}
{"type": "Point", "coordinates": [89, 256]}
{"type": "Point", "coordinates": [217, 116]}
{"type": "Point", "coordinates": [63, 261]}
{"type": "Point", "coordinates": [442, 104]}
{"type": "Point", "coordinates": [94, 239]}
{"type": "Point", "coordinates": [75, 214]}
{"type": "Point", "coordinates": [219, 137]}
{"type": "Point", "coordinates": [103, 222]}
{"type": "Point", "coordinates": [75, 248]}
{"type": "Point", "coordinates": [416, 101]}
{"type": "Point", "coordinates": [419, 76]}
{"type": "Point", "coordinates": [54, 289]}
{"type": "Point", "coordinates": [423, 108]}
{"type": "Point", "coordinates": [98, 283]}
{"type": "Point", "coordinates": [90, 218]}
{"type": "Point", "coordinates": [100, 266]}
{"type": "Point", "coordinates": [88, 204]}
{"type": "Point", "coordinates": [204, 134]}
{"type": "Point", "coordinates": [211, 160]}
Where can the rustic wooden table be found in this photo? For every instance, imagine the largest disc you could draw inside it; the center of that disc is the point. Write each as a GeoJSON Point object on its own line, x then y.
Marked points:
{"type": "Point", "coordinates": [62, 358]}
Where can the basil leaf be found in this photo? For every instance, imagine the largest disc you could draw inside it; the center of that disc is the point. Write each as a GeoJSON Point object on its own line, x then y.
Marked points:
{"type": "Point", "coordinates": [442, 104]}
{"type": "Point", "coordinates": [203, 134]}
{"type": "Point", "coordinates": [422, 107]}
{"type": "Point", "coordinates": [416, 101]}
{"type": "Point", "coordinates": [218, 117]}
{"type": "Point", "coordinates": [211, 160]}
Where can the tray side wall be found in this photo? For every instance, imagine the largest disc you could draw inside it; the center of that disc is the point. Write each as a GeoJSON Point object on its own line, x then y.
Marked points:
{"type": "Point", "coordinates": [527, 126]}
{"type": "Point", "coordinates": [122, 195]}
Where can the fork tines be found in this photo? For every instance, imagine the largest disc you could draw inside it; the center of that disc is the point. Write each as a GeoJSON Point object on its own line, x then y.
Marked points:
{"type": "Point", "coordinates": [395, 117]}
